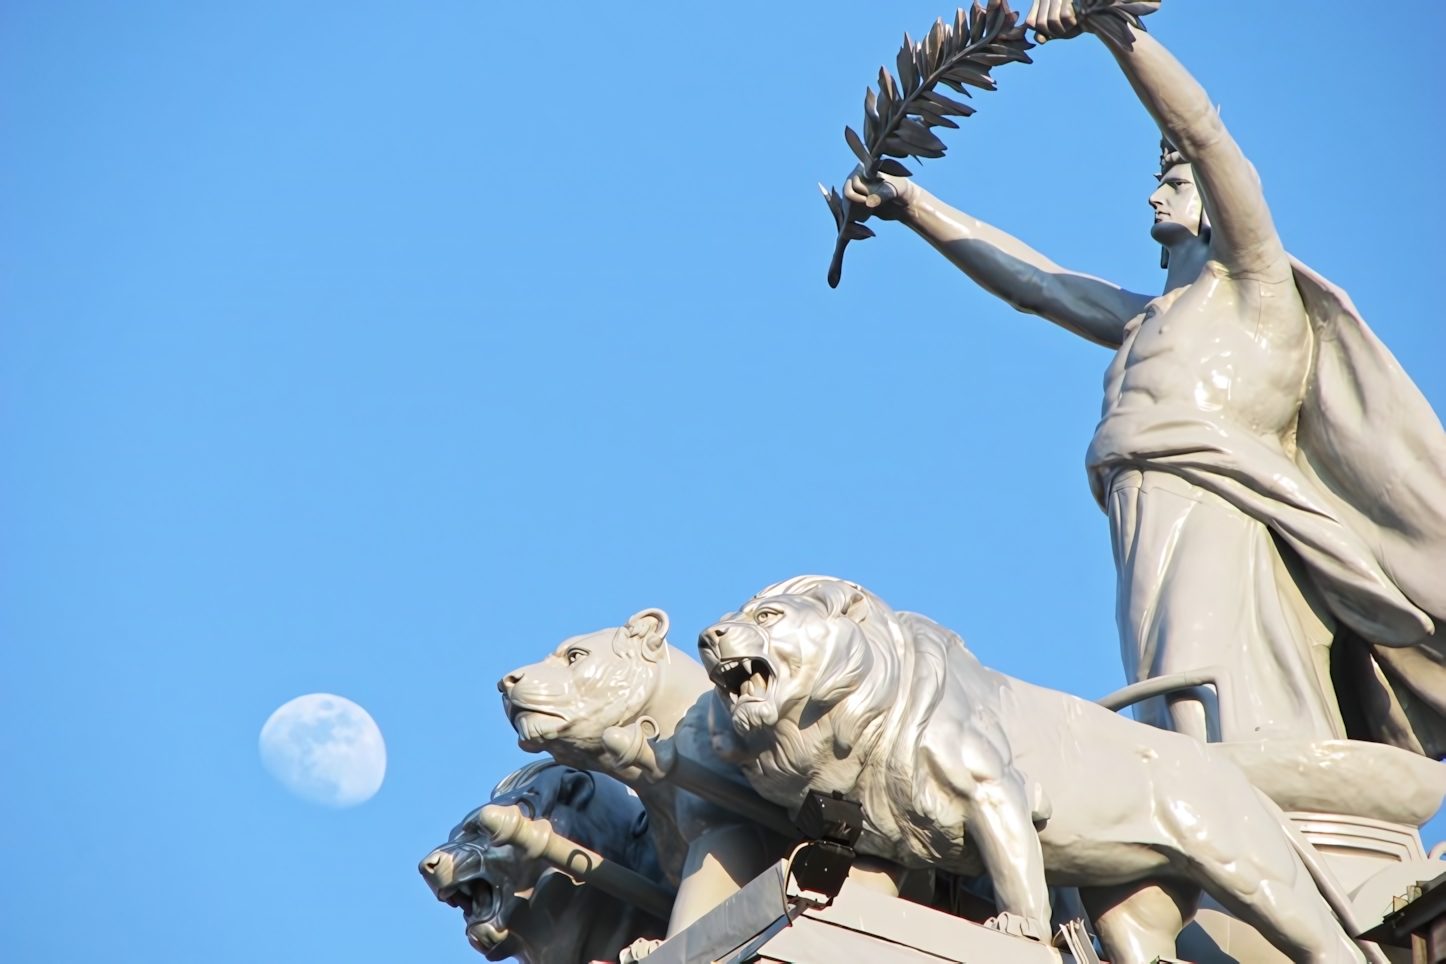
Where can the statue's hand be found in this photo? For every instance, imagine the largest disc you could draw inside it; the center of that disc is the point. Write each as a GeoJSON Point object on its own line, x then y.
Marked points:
{"type": "Point", "coordinates": [1054, 19]}
{"type": "Point", "coordinates": [882, 196]}
{"type": "Point", "coordinates": [1062, 19]}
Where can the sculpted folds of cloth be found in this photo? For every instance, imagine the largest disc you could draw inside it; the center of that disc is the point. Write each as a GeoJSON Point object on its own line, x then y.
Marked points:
{"type": "Point", "coordinates": [1274, 481]}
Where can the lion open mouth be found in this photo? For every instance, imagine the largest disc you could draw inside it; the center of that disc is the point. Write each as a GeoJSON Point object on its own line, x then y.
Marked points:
{"type": "Point", "coordinates": [745, 679]}
{"type": "Point", "coordinates": [477, 899]}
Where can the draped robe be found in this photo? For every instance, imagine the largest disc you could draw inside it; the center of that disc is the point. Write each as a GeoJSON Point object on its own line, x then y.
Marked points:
{"type": "Point", "coordinates": [1310, 569]}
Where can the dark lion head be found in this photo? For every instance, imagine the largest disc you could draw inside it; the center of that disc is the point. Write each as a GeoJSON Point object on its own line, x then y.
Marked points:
{"type": "Point", "coordinates": [488, 883]}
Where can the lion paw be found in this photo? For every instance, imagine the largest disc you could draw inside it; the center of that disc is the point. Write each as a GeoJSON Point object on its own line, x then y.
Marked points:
{"type": "Point", "coordinates": [638, 950]}
{"type": "Point", "coordinates": [1019, 926]}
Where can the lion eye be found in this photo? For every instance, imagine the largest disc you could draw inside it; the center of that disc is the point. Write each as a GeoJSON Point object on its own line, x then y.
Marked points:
{"type": "Point", "coordinates": [765, 616]}
{"type": "Point", "coordinates": [573, 655]}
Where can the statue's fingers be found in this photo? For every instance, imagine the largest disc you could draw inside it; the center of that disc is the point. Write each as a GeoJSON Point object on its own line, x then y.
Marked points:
{"type": "Point", "coordinates": [1035, 20]}
{"type": "Point", "coordinates": [1057, 27]}
{"type": "Point", "coordinates": [1068, 16]}
{"type": "Point", "coordinates": [1065, 13]}
{"type": "Point", "coordinates": [1039, 17]}
{"type": "Point", "coordinates": [855, 191]}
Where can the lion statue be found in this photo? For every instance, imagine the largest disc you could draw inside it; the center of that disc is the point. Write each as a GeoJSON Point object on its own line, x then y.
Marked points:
{"type": "Point", "coordinates": [517, 906]}
{"type": "Point", "coordinates": [615, 678]}
{"type": "Point", "coordinates": [968, 770]}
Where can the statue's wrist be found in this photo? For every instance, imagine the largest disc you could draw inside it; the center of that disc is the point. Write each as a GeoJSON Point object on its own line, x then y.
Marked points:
{"type": "Point", "coordinates": [905, 202]}
{"type": "Point", "coordinates": [914, 209]}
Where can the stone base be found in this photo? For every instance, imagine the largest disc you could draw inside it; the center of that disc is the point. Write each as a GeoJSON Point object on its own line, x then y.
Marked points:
{"type": "Point", "coordinates": [769, 921]}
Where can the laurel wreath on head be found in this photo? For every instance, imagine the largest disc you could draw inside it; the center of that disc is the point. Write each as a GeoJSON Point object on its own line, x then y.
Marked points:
{"type": "Point", "coordinates": [899, 117]}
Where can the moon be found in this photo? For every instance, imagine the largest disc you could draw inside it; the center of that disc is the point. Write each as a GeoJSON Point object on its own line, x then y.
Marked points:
{"type": "Point", "coordinates": [325, 749]}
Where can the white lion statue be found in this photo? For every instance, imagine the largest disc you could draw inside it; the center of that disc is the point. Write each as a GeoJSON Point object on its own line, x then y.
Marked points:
{"type": "Point", "coordinates": [516, 905]}
{"type": "Point", "coordinates": [965, 769]}
{"type": "Point", "coordinates": [614, 678]}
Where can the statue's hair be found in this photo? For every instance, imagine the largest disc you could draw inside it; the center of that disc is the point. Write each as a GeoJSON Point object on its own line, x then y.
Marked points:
{"type": "Point", "coordinates": [1170, 156]}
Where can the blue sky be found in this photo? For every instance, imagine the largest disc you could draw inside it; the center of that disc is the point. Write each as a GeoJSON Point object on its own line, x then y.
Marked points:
{"type": "Point", "coordinates": [374, 348]}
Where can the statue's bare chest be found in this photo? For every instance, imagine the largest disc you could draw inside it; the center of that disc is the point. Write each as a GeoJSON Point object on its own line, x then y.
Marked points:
{"type": "Point", "coordinates": [1217, 346]}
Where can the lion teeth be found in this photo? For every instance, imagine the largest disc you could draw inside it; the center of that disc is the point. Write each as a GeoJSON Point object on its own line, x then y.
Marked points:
{"type": "Point", "coordinates": [759, 683]}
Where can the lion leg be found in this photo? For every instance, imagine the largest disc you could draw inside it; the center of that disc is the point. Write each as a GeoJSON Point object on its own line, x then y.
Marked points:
{"type": "Point", "coordinates": [719, 863]}
{"type": "Point", "coordinates": [1270, 888]}
{"type": "Point", "coordinates": [1138, 922]}
{"type": "Point", "coordinates": [997, 816]}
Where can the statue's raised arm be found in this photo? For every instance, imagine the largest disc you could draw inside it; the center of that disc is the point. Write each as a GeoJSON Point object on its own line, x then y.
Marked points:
{"type": "Point", "coordinates": [1242, 235]}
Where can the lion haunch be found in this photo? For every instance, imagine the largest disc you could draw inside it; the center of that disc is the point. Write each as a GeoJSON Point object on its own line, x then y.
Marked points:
{"type": "Point", "coordinates": [965, 769]}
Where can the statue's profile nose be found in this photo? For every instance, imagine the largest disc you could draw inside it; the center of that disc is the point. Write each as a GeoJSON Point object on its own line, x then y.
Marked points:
{"type": "Point", "coordinates": [720, 631]}
{"type": "Point", "coordinates": [510, 680]}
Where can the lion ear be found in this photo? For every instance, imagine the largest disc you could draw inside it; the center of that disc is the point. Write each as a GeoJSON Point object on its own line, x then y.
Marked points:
{"type": "Point", "coordinates": [650, 629]}
{"type": "Point", "coordinates": [857, 608]}
{"type": "Point", "coordinates": [576, 789]}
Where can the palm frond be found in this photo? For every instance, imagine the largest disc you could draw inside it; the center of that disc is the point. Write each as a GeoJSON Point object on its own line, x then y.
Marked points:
{"type": "Point", "coordinates": [900, 116]}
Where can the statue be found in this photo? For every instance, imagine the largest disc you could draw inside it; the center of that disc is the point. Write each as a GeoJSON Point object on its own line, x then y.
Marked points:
{"type": "Point", "coordinates": [515, 905]}
{"type": "Point", "coordinates": [1276, 491]}
{"type": "Point", "coordinates": [968, 770]}
{"type": "Point", "coordinates": [617, 678]}
{"type": "Point", "coordinates": [1275, 483]}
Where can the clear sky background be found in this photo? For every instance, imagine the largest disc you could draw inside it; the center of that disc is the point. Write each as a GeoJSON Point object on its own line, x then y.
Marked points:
{"type": "Point", "coordinates": [374, 348]}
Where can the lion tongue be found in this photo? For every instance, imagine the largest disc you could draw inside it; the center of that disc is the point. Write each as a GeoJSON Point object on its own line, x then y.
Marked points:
{"type": "Point", "coordinates": [755, 685]}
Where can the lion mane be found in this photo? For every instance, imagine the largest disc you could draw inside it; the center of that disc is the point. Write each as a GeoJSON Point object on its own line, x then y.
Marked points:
{"type": "Point", "coordinates": [875, 686]}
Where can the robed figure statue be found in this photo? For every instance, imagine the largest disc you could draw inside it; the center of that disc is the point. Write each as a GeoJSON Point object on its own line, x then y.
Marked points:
{"type": "Point", "coordinates": [1275, 483]}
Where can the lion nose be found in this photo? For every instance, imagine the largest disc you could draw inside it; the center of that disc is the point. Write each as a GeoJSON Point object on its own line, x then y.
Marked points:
{"type": "Point", "coordinates": [720, 631]}
{"type": "Point", "coordinates": [507, 682]}
{"type": "Point", "coordinates": [435, 868]}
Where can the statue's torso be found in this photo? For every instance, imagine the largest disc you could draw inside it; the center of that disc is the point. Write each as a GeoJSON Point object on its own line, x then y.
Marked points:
{"type": "Point", "coordinates": [1237, 351]}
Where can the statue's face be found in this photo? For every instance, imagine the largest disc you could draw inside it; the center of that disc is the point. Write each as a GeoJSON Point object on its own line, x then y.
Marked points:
{"type": "Point", "coordinates": [1177, 205]}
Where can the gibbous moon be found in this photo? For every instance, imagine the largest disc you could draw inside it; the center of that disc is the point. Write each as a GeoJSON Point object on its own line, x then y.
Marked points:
{"type": "Point", "coordinates": [325, 749]}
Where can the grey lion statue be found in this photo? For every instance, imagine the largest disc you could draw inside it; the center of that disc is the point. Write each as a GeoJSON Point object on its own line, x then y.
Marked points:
{"type": "Point", "coordinates": [968, 770]}
{"type": "Point", "coordinates": [515, 905]}
{"type": "Point", "coordinates": [615, 678]}
{"type": "Point", "coordinates": [563, 704]}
